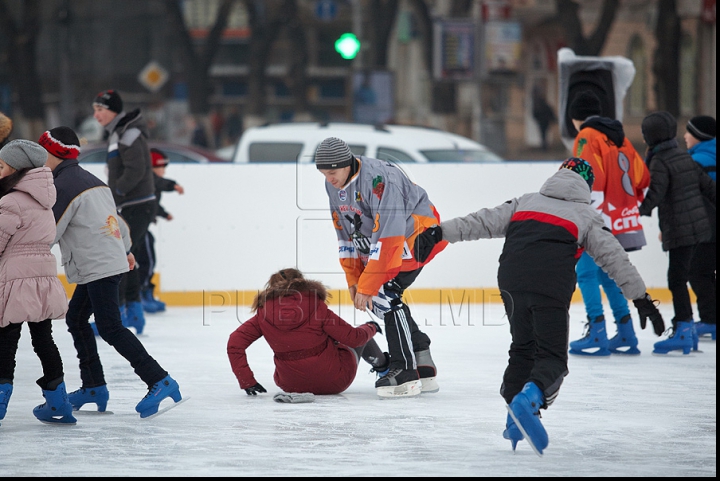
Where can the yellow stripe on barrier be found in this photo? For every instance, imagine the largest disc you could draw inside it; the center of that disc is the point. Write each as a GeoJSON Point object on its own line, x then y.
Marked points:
{"type": "Point", "coordinates": [471, 295]}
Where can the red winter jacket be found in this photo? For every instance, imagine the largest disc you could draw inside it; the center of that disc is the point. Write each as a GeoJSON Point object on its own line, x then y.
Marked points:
{"type": "Point", "coordinates": [310, 343]}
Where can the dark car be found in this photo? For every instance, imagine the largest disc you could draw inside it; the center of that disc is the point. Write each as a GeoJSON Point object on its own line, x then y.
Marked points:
{"type": "Point", "coordinates": [176, 153]}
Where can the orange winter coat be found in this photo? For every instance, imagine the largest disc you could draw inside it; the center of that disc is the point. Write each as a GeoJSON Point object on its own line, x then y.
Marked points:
{"type": "Point", "coordinates": [621, 178]}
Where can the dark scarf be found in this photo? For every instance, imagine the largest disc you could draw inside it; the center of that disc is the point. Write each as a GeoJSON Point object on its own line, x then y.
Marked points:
{"type": "Point", "coordinates": [666, 145]}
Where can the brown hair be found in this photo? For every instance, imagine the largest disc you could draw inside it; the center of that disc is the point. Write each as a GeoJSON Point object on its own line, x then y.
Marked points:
{"type": "Point", "coordinates": [286, 282]}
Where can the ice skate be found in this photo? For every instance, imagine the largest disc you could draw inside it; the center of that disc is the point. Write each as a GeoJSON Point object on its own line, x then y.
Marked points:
{"type": "Point", "coordinates": [135, 316]}
{"type": "Point", "coordinates": [57, 408]}
{"type": "Point", "coordinates": [625, 341]}
{"type": "Point", "coordinates": [167, 387]}
{"type": "Point", "coordinates": [399, 383]}
{"type": "Point", "coordinates": [6, 390]}
{"type": "Point", "coordinates": [94, 328]}
{"type": "Point", "coordinates": [98, 395]}
{"type": "Point", "coordinates": [512, 433]}
{"type": "Point", "coordinates": [525, 411]}
{"type": "Point", "coordinates": [704, 329]}
{"type": "Point", "coordinates": [680, 339]}
{"type": "Point", "coordinates": [427, 371]}
{"type": "Point", "coordinates": [594, 342]}
{"type": "Point", "coordinates": [148, 303]}
{"type": "Point", "coordinates": [383, 369]}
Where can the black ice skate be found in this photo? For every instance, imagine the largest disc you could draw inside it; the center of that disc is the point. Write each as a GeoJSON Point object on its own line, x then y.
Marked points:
{"type": "Point", "coordinates": [399, 383]}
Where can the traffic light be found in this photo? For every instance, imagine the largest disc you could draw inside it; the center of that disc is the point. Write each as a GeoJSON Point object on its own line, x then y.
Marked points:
{"type": "Point", "coordinates": [347, 46]}
{"type": "Point", "coordinates": [607, 77]}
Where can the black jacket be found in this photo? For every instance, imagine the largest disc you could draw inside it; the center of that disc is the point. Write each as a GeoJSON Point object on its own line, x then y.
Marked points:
{"type": "Point", "coordinates": [162, 184]}
{"type": "Point", "coordinates": [679, 189]}
{"type": "Point", "coordinates": [130, 175]}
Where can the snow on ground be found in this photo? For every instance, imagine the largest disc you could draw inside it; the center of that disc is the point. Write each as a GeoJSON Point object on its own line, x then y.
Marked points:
{"type": "Point", "coordinates": [616, 416]}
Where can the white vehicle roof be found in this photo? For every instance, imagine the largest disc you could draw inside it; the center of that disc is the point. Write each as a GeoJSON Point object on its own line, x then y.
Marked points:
{"type": "Point", "coordinates": [293, 142]}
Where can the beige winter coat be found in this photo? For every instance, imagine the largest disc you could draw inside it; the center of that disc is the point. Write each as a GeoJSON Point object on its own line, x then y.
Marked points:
{"type": "Point", "coordinates": [30, 290]}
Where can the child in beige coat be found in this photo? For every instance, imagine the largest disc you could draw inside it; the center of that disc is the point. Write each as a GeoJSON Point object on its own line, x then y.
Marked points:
{"type": "Point", "coordinates": [30, 290]}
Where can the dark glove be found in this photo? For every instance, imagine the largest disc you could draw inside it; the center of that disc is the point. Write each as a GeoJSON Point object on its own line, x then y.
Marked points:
{"type": "Point", "coordinates": [425, 242]}
{"type": "Point", "coordinates": [646, 308]}
{"type": "Point", "coordinates": [254, 390]}
{"type": "Point", "coordinates": [377, 326]}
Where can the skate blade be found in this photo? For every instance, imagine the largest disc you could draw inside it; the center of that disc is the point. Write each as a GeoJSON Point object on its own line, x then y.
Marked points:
{"type": "Point", "coordinates": [674, 353]}
{"type": "Point", "coordinates": [87, 412]}
{"type": "Point", "coordinates": [429, 385]}
{"type": "Point", "coordinates": [522, 430]}
{"type": "Point", "coordinates": [409, 389]}
{"type": "Point", "coordinates": [598, 353]}
{"type": "Point", "coordinates": [633, 351]}
{"type": "Point", "coordinates": [59, 422]}
{"type": "Point", "coordinates": [167, 408]}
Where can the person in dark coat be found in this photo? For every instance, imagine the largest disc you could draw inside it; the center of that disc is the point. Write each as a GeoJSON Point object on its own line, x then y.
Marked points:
{"type": "Point", "coordinates": [316, 351]}
{"type": "Point", "coordinates": [679, 188]}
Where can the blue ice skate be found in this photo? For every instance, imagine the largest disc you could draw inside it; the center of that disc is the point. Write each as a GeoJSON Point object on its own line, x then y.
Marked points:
{"type": "Point", "coordinates": [511, 432]}
{"type": "Point", "coordinates": [704, 329]}
{"type": "Point", "coordinates": [625, 341]}
{"type": "Point", "coordinates": [594, 342]}
{"type": "Point", "coordinates": [57, 408]}
{"type": "Point", "coordinates": [525, 411]}
{"type": "Point", "coordinates": [681, 339]}
{"type": "Point", "coordinates": [6, 390]}
{"type": "Point", "coordinates": [149, 303]}
{"type": "Point", "coordinates": [98, 395]}
{"type": "Point", "coordinates": [135, 316]}
{"type": "Point", "coordinates": [167, 387]}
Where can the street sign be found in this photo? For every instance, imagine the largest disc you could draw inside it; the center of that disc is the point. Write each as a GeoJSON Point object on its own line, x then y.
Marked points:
{"type": "Point", "coordinates": [153, 76]}
{"type": "Point", "coordinates": [326, 10]}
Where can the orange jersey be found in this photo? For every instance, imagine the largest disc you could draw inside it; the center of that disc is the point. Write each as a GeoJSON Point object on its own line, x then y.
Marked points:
{"type": "Point", "coordinates": [621, 177]}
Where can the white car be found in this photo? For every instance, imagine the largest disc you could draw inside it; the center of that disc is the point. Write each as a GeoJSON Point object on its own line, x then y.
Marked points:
{"type": "Point", "coordinates": [297, 142]}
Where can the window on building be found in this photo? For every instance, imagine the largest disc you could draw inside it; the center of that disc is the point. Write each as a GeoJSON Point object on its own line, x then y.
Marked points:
{"type": "Point", "coordinates": [688, 74]}
{"type": "Point", "coordinates": [637, 93]}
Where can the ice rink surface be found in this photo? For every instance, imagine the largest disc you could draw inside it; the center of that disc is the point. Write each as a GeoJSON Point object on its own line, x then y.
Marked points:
{"type": "Point", "coordinates": [617, 416]}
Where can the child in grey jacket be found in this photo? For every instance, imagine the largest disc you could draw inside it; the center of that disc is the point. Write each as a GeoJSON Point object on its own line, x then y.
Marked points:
{"type": "Point", "coordinates": [545, 234]}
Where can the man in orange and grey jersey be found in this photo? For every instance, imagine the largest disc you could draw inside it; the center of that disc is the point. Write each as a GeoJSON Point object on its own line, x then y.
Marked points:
{"type": "Point", "coordinates": [377, 213]}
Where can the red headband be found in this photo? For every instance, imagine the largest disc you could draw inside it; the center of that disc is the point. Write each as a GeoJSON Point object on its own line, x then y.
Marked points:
{"type": "Point", "coordinates": [57, 148]}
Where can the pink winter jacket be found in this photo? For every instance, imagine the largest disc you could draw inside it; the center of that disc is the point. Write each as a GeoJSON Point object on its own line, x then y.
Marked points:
{"type": "Point", "coordinates": [30, 290]}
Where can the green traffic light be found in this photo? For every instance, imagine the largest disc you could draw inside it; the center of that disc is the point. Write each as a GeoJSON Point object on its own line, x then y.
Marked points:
{"type": "Point", "coordinates": [347, 46]}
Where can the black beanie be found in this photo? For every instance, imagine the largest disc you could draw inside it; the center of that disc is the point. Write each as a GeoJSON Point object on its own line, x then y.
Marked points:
{"type": "Point", "coordinates": [584, 105]}
{"type": "Point", "coordinates": [109, 99]}
{"type": "Point", "coordinates": [659, 127]}
{"type": "Point", "coordinates": [702, 127]}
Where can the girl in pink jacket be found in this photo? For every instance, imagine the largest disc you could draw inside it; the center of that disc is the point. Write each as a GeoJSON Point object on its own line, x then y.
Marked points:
{"type": "Point", "coordinates": [30, 290]}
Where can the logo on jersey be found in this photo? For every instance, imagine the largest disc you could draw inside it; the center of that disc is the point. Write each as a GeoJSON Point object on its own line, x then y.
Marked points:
{"type": "Point", "coordinates": [359, 240]}
{"type": "Point", "coordinates": [358, 197]}
{"type": "Point", "coordinates": [342, 193]}
{"type": "Point", "coordinates": [378, 186]}
{"type": "Point", "coordinates": [112, 227]}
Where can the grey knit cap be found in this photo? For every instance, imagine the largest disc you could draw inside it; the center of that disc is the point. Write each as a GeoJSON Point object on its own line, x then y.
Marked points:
{"type": "Point", "coordinates": [23, 154]}
{"type": "Point", "coordinates": [333, 153]}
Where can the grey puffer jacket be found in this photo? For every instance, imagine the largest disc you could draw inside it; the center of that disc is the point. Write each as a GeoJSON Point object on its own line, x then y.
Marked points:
{"type": "Point", "coordinates": [679, 188]}
{"type": "Point", "coordinates": [545, 233]}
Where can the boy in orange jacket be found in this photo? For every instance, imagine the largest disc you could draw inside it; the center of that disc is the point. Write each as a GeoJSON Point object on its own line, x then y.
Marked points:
{"type": "Point", "coordinates": [620, 179]}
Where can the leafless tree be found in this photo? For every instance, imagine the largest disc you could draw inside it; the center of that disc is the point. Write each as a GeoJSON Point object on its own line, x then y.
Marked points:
{"type": "Point", "coordinates": [22, 34]}
{"type": "Point", "coordinates": [568, 17]}
{"type": "Point", "coordinates": [197, 63]}
{"type": "Point", "coordinates": [666, 60]}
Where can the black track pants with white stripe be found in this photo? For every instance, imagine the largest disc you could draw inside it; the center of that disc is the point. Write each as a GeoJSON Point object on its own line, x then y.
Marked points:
{"type": "Point", "coordinates": [404, 338]}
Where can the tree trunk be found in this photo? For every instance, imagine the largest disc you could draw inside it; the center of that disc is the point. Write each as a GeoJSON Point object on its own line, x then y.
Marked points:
{"type": "Point", "coordinates": [197, 65]}
{"type": "Point", "coordinates": [22, 60]}
{"type": "Point", "coordinates": [666, 60]}
{"type": "Point", "coordinates": [383, 14]}
{"type": "Point", "coordinates": [296, 78]}
{"type": "Point", "coordinates": [568, 17]}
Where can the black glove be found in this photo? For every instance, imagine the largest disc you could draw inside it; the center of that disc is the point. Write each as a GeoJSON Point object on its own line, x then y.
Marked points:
{"type": "Point", "coordinates": [425, 242]}
{"type": "Point", "coordinates": [646, 308]}
{"type": "Point", "coordinates": [377, 326]}
{"type": "Point", "coordinates": [254, 390]}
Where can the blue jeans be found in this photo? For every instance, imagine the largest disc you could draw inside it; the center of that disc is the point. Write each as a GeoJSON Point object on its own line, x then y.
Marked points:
{"type": "Point", "coordinates": [590, 277]}
{"type": "Point", "coordinates": [101, 299]}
